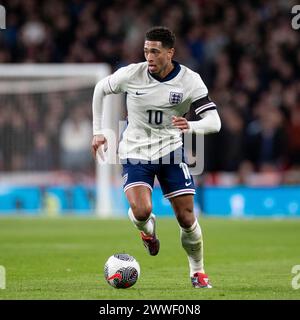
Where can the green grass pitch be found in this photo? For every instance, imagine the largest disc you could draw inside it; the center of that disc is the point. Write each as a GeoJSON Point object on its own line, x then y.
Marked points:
{"type": "Point", "coordinates": [63, 258]}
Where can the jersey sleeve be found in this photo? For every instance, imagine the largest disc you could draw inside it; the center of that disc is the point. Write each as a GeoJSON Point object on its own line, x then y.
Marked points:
{"type": "Point", "coordinates": [198, 88]}
{"type": "Point", "coordinates": [118, 81]}
{"type": "Point", "coordinates": [200, 101]}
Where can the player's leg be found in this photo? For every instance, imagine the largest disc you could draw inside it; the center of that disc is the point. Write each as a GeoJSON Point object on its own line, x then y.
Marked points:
{"type": "Point", "coordinates": [138, 182]}
{"type": "Point", "coordinates": [190, 231]}
{"type": "Point", "coordinates": [140, 213]}
{"type": "Point", "coordinates": [140, 210]}
{"type": "Point", "coordinates": [178, 186]}
{"type": "Point", "coordinates": [191, 238]}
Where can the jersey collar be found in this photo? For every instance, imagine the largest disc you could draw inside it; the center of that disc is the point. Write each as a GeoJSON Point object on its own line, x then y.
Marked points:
{"type": "Point", "coordinates": [169, 76]}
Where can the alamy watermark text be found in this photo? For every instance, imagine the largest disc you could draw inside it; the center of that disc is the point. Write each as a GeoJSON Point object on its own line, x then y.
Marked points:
{"type": "Point", "coordinates": [296, 18]}
{"type": "Point", "coordinates": [296, 279]}
{"type": "Point", "coordinates": [2, 278]}
{"type": "Point", "coordinates": [2, 17]}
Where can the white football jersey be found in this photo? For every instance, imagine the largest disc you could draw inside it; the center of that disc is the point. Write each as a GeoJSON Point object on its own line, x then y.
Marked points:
{"type": "Point", "coordinates": [151, 103]}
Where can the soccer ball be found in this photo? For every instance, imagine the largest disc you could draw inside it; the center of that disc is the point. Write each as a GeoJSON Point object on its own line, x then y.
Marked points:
{"type": "Point", "coordinates": [121, 270]}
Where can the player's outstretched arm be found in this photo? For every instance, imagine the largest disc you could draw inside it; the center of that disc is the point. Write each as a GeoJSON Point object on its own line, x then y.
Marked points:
{"type": "Point", "coordinates": [210, 122]}
{"type": "Point", "coordinates": [98, 138]}
{"type": "Point", "coordinates": [113, 84]}
{"type": "Point", "coordinates": [98, 96]}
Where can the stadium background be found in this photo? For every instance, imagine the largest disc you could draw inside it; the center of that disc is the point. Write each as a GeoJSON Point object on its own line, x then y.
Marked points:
{"type": "Point", "coordinates": [246, 52]}
{"type": "Point", "coordinates": [53, 246]}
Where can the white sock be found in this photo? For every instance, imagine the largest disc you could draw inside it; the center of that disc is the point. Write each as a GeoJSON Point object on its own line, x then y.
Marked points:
{"type": "Point", "coordinates": [191, 240]}
{"type": "Point", "coordinates": [147, 226]}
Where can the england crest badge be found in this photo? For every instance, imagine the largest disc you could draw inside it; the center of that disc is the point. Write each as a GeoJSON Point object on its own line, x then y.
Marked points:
{"type": "Point", "coordinates": [175, 97]}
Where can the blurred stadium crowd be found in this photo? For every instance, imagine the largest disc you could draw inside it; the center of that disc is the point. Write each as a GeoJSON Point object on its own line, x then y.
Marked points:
{"type": "Point", "coordinates": [246, 52]}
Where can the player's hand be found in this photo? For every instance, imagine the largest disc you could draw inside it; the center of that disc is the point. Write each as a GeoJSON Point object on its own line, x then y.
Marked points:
{"type": "Point", "coordinates": [180, 123]}
{"type": "Point", "coordinates": [98, 141]}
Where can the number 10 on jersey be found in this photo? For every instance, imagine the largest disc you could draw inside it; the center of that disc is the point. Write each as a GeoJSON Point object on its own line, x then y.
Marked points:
{"type": "Point", "coordinates": [155, 116]}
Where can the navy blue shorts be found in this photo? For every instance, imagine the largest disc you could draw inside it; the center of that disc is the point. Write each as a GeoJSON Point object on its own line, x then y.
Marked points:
{"type": "Point", "coordinates": [171, 171]}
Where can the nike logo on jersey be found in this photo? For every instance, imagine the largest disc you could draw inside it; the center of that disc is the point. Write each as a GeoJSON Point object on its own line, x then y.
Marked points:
{"type": "Point", "coordinates": [188, 184]}
{"type": "Point", "coordinates": [140, 93]}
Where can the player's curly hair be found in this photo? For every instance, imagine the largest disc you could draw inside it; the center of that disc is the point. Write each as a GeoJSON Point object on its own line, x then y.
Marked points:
{"type": "Point", "coordinates": [162, 34]}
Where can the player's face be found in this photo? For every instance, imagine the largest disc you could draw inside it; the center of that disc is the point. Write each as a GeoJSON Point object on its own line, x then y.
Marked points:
{"type": "Point", "coordinates": [159, 58]}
